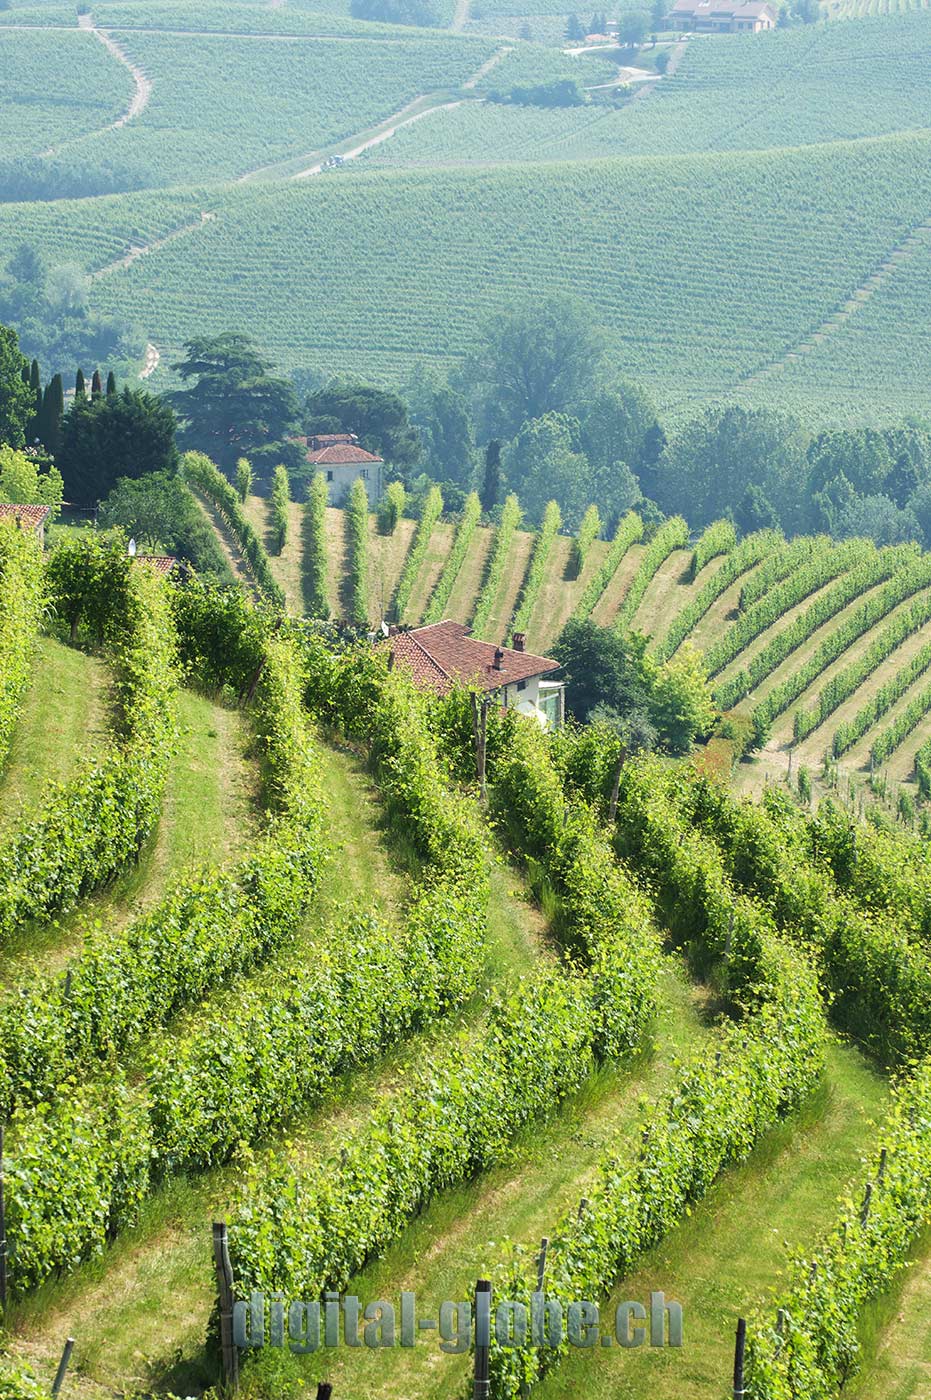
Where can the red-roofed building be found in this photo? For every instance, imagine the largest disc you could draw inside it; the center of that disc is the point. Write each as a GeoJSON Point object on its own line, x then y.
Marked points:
{"type": "Point", "coordinates": [443, 655]}
{"type": "Point", "coordinates": [343, 461]}
{"type": "Point", "coordinates": [27, 517]}
{"type": "Point", "coordinates": [161, 563]}
{"type": "Point", "coordinates": [721, 16]}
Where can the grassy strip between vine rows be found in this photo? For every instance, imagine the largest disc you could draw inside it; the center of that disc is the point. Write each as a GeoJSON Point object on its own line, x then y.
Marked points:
{"type": "Point", "coordinates": [504, 538]}
{"type": "Point", "coordinates": [429, 515]}
{"type": "Point", "coordinates": [874, 568]}
{"type": "Point", "coordinates": [316, 601]}
{"type": "Point", "coordinates": [878, 978]}
{"type": "Point", "coordinates": [719, 537]}
{"type": "Point", "coordinates": [542, 547]}
{"type": "Point", "coordinates": [312, 1226]}
{"type": "Point", "coordinates": [357, 530]}
{"type": "Point", "coordinates": [782, 562]}
{"type": "Point", "coordinates": [826, 561]}
{"type": "Point", "coordinates": [63, 1205]}
{"type": "Point", "coordinates": [93, 826]}
{"type": "Point", "coordinates": [466, 529]}
{"type": "Point", "coordinates": [923, 769]}
{"type": "Point", "coordinates": [583, 541]}
{"type": "Point", "coordinates": [898, 731]}
{"type": "Point", "coordinates": [628, 532]}
{"type": "Point", "coordinates": [903, 584]}
{"type": "Point", "coordinates": [748, 553]}
{"type": "Point", "coordinates": [21, 598]}
{"type": "Point", "coordinates": [843, 685]}
{"type": "Point", "coordinates": [810, 1346]}
{"type": "Point", "coordinates": [848, 734]}
{"type": "Point", "coordinates": [768, 1060]}
{"type": "Point", "coordinates": [672, 534]}
{"type": "Point", "coordinates": [211, 928]}
{"type": "Point", "coordinates": [198, 470]}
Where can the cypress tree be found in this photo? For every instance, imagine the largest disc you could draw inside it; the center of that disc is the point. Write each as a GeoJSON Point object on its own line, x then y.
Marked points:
{"type": "Point", "coordinates": [80, 390]}
{"type": "Point", "coordinates": [53, 409]}
{"type": "Point", "coordinates": [31, 375]}
{"type": "Point", "coordinates": [96, 385]}
{"type": "Point", "coordinates": [111, 384]}
{"type": "Point", "coordinates": [24, 373]}
{"type": "Point", "coordinates": [491, 486]}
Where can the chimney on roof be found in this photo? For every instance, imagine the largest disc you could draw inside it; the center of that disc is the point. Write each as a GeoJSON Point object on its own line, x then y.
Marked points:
{"type": "Point", "coordinates": [392, 629]}
{"type": "Point", "coordinates": [518, 640]}
{"type": "Point", "coordinates": [499, 657]}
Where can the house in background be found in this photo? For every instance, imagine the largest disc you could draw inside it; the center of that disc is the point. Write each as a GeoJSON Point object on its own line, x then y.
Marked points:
{"type": "Point", "coordinates": [31, 518]}
{"type": "Point", "coordinates": [443, 655]}
{"type": "Point", "coordinates": [342, 461]}
{"type": "Point", "coordinates": [721, 16]}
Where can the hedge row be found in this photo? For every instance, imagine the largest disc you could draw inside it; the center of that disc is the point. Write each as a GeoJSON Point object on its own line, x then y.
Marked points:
{"type": "Point", "coordinates": [628, 532]}
{"type": "Point", "coordinates": [281, 499]}
{"type": "Point", "coordinates": [391, 507]}
{"type": "Point", "coordinates": [198, 470]}
{"type": "Point", "coordinates": [895, 733]}
{"type": "Point", "coordinates": [877, 566]}
{"type": "Point", "coordinates": [784, 560]}
{"type": "Point", "coordinates": [810, 1344]}
{"type": "Point", "coordinates": [21, 599]}
{"type": "Point", "coordinates": [748, 553]}
{"type": "Point", "coordinates": [357, 532]}
{"type": "Point", "coordinates": [840, 687]}
{"type": "Point", "coordinates": [466, 529]}
{"type": "Point", "coordinates": [672, 534]}
{"type": "Point", "coordinates": [504, 538]}
{"type": "Point", "coordinates": [316, 597]}
{"type": "Point", "coordinates": [64, 1215]}
{"type": "Point", "coordinates": [923, 769]}
{"type": "Point", "coordinates": [90, 828]}
{"type": "Point", "coordinates": [848, 734]}
{"type": "Point", "coordinates": [306, 1228]}
{"type": "Point", "coordinates": [765, 1063]}
{"type": "Point", "coordinates": [878, 979]}
{"type": "Point", "coordinates": [719, 537]}
{"type": "Point", "coordinates": [429, 515]}
{"type": "Point", "coordinates": [211, 928]}
{"type": "Point", "coordinates": [824, 563]}
{"type": "Point", "coordinates": [902, 585]}
{"type": "Point", "coordinates": [542, 547]}
{"type": "Point", "coordinates": [583, 541]}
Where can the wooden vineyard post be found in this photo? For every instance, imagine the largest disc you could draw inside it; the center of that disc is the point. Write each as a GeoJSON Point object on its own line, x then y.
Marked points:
{"type": "Point", "coordinates": [481, 1388]}
{"type": "Point", "coordinates": [479, 735]}
{"type": "Point", "coordinates": [3, 1284]}
{"type": "Point", "coordinates": [739, 1348]}
{"type": "Point", "coordinates": [62, 1366]}
{"type": "Point", "coordinates": [612, 811]}
{"type": "Point", "coordinates": [229, 1356]}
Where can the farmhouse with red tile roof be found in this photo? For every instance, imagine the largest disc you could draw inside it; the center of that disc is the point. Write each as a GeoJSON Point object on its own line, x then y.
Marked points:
{"type": "Point", "coordinates": [443, 655]}
{"type": "Point", "coordinates": [343, 461]}
{"type": "Point", "coordinates": [721, 16]}
{"type": "Point", "coordinates": [27, 517]}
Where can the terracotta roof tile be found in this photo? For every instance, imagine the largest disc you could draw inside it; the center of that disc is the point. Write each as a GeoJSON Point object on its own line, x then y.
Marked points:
{"type": "Point", "coordinates": [341, 454]}
{"type": "Point", "coordinates": [443, 654]}
{"type": "Point", "coordinates": [162, 563]}
{"type": "Point", "coordinates": [33, 516]}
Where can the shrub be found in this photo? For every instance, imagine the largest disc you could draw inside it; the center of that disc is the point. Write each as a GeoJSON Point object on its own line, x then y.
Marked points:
{"type": "Point", "coordinates": [243, 479]}
{"type": "Point", "coordinates": [391, 508]}
{"type": "Point", "coordinates": [281, 499]}
{"type": "Point", "coordinates": [21, 600]}
{"type": "Point", "coordinates": [316, 599]}
{"type": "Point", "coordinates": [357, 530]}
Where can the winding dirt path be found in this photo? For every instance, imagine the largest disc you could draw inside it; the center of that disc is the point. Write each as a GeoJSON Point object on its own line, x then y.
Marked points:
{"type": "Point", "coordinates": [142, 250]}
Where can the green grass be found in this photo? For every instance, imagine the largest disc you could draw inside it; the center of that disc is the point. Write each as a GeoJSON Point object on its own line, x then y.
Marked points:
{"type": "Point", "coordinates": [210, 813]}
{"type": "Point", "coordinates": [62, 725]}
{"type": "Point", "coordinates": [729, 1255]}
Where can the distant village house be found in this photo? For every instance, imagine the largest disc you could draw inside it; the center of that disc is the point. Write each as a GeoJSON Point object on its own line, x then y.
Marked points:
{"type": "Point", "coordinates": [31, 518]}
{"type": "Point", "coordinates": [443, 655]}
{"type": "Point", "coordinates": [342, 461]}
{"type": "Point", "coordinates": [721, 17]}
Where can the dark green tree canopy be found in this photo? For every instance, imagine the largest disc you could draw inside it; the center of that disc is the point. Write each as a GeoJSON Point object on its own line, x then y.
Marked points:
{"type": "Point", "coordinates": [541, 357]}
{"type": "Point", "coordinates": [129, 434]}
{"type": "Point", "coordinates": [378, 417]}
{"type": "Point", "coordinates": [234, 406]}
{"type": "Point", "coordinates": [17, 400]}
{"type": "Point", "coordinates": [602, 666]}
{"type": "Point", "coordinates": [159, 511]}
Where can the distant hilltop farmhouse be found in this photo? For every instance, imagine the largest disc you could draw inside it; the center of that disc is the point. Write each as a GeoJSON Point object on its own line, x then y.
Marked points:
{"type": "Point", "coordinates": [342, 461]}
{"type": "Point", "coordinates": [719, 17]}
